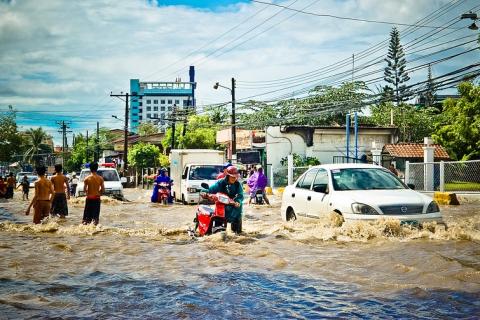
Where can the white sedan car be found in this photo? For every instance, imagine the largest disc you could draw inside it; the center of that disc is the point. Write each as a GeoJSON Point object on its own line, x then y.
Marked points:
{"type": "Point", "coordinates": [357, 192]}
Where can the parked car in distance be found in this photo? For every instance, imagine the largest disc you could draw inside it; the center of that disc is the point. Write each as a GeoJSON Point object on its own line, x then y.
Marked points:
{"type": "Point", "coordinates": [32, 179]}
{"type": "Point", "coordinates": [19, 175]}
{"type": "Point", "coordinates": [113, 182]}
{"type": "Point", "coordinates": [357, 192]}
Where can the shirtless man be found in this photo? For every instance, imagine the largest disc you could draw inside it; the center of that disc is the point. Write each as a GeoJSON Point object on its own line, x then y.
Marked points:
{"type": "Point", "coordinates": [43, 197]}
{"type": "Point", "coordinates": [59, 203]}
{"type": "Point", "coordinates": [94, 187]}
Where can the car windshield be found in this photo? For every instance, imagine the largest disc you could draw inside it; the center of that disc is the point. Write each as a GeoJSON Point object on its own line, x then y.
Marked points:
{"type": "Point", "coordinates": [107, 175]}
{"type": "Point", "coordinates": [204, 172]}
{"type": "Point", "coordinates": [32, 178]}
{"type": "Point", "coordinates": [364, 179]}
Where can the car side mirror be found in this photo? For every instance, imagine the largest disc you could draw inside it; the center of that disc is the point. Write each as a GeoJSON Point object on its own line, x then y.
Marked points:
{"type": "Point", "coordinates": [205, 185]}
{"type": "Point", "coordinates": [123, 180]}
{"type": "Point", "coordinates": [320, 188]}
{"type": "Point", "coordinates": [411, 186]}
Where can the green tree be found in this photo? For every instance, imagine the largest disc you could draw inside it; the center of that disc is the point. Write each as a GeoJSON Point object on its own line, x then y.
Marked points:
{"type": "Point", "coordinates": [458, 127]}
{"type": "Point", "coordinates": [325, 105]}
{"type": "Point", "coordinates": [147, 128]}
{"type": "Point", "coordinates": [10, 139]}
{"type": "Point", "coordinates": [430, 93]}
{"type": "Point", "coordinates": [414, 123]}
{"type": "Point", "coordinates": [144, 155]}
{"type": "Point", "coordinates": [36, 145]}
{"type": "Point", "coordinates": [200, 133]}
{"type": "Point", "coordinates": [395, 73]}
{"type": "Point", "coordinates": [78, 155]}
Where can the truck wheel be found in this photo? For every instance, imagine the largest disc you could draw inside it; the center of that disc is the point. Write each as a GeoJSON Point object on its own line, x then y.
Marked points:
{"type": "Point", "coordinates": [183, 199]}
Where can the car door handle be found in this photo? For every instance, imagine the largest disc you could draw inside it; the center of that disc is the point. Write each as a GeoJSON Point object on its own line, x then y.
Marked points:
{"type": "Point", "coordinates": [309, 198]}
{"type": "Point", "coordinates": [293, 195]}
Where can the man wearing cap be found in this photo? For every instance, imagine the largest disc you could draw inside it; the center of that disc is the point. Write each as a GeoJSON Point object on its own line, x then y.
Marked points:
{"type": "Point", "coordinates": [231, 187]}
{"type": "Point", "coordinates": [223, 174]}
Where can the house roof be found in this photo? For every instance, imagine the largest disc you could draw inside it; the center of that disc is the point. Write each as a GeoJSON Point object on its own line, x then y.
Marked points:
{"type": "Point", "coordinates": [414, 150]}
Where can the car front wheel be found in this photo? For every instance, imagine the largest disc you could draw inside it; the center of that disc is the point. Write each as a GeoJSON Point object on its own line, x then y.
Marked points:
{"type": "Point", "coordinates": [291, 214]}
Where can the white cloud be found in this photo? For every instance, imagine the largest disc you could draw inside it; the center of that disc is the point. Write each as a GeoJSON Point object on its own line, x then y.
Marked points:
{"type": "Point", "coordinates": [85, 49]}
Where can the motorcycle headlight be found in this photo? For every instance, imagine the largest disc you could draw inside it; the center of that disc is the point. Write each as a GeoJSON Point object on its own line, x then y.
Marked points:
{"type": "Point", "coordinates": [360, 208]}
{"type": "Point", "coordinates": [433, 207]}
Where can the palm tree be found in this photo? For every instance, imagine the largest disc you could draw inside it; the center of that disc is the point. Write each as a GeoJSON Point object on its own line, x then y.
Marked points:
{"type": "Point", "coordinates": [36, 145]}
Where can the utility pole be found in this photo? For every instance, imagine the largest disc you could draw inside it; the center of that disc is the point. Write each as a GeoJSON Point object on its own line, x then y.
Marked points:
{"type": "Point", "coordinates": [125, 133]}
{"type": "Point", "coordinates": [97, 146]}
{"type": "Point", "coordinates": [172, 145]}
{"type": "Point", "coordinates": [63, 130]}
{"type": "Point", "coordinates": [234, 135]}
{"type": "Point", "coordinates": [87, 149]}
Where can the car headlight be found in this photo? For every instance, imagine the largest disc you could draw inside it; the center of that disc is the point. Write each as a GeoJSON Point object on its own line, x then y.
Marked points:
{"type": "Point", "coordinates": [192, 190]}
{"type": "Point", "coordinates": [433, 207]}
{"type": "Point", "coordinates": [360, 208]}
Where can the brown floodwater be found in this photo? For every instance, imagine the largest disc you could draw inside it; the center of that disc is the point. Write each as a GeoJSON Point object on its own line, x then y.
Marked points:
{"type": "Point", "coordinates": [139, 262]}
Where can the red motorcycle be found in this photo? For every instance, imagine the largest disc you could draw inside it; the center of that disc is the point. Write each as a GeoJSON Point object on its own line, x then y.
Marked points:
{"type": "Point", "coordinates": [163, 192]}
{"type": "Point", "coordinates": [210, 220]}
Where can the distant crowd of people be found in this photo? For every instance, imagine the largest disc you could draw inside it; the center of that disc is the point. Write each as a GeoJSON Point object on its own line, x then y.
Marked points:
{"type": "Point", "coordinates": [52, 195]}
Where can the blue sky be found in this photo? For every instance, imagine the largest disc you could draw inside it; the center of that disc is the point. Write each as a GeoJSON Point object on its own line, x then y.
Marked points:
{"type": "Point", "coordinates": [60, 61]}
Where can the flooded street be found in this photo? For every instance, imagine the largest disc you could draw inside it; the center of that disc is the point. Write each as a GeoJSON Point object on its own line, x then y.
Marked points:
{"type": "Point", "coordinates": [141, 263]}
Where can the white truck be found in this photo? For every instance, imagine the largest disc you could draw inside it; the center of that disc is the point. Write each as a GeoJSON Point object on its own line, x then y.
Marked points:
{"type": "Point", "coordinates": [190, 167]}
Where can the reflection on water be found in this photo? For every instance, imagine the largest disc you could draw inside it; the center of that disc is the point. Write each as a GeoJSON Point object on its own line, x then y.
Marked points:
{"type": "Point", "coordinates": [139, 262]}
{"type": "Point", "coordinates": [230, 295]}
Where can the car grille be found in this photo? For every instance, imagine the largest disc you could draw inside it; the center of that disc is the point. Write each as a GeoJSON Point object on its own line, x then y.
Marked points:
{"type": "Point", "coordinates": [402, 209]}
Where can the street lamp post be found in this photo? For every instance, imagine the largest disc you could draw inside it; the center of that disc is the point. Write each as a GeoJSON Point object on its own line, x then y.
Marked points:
{"type": "Point", "coordinates": [234, 135]}
{"type": "Point", "coordinates": [472, 16]}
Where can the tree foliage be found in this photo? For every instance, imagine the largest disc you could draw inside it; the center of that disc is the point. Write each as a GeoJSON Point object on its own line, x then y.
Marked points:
{"type": "Point", "coordinates": [144, 155]}
{"type": "Point", "coordinates": [458, 127]}
{"type": "Point", "coordinates": [414, 123]}
{"type": "Point", "coordinates": [326, 105]}
{"type": "Point", "coordinates": [36, 145]}
{"type": "Point", "coordinates": [300, 161]}
{"type": "Point", "coordinates": [147, 128]}
{"type": "Point", "coordinates": [200, 133]}
{"type": "Point", "coordinates": [10, 139]}
{"type": "Point", "coordinates": [395, 73]}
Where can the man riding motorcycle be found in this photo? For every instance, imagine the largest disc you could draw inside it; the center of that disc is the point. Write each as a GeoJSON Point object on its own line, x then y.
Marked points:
{"type": "Point", "coordinates": [162, 177]}
{"type": "Point", "coordinates": [231, 187]}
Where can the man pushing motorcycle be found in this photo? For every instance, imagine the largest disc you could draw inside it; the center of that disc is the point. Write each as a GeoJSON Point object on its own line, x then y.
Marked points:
{"type": "Point", "coordinates": [231, 187]}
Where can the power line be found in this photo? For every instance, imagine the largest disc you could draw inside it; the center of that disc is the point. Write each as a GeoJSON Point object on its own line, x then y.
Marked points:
{"type": "Point", "coordinates": [347, 18]}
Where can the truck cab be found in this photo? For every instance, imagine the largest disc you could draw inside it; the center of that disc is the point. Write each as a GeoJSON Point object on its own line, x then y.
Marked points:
{"type": "Point", "coordinates": [192, 178]}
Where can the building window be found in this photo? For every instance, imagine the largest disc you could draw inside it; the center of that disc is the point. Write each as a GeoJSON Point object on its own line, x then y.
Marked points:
{"type": "Point", "coordinates": [162, 116]}
{"type": "Point", "coordinates": [169, 101]}
{"type": "Point", "coordinates": [148, 116]}
{"type": "Point", "coordinates": [135, 114]}
{"type": "Point", "coordinates": [140, 104]}
{"type": "Point", "coordinates": [134, 121]}
{"type": "Point", "coordinates": [162, 108]}
{"type": "Point", "coordinates": [140, 111]}
{"type": "Point", "coordinates": [177, 102]}
{"type": "Point", "coordinates": [162, 101]}
{"type": "Point", "coordinates": [140, 117]}
{"type": "Point", "coordinates": [155, 101]}
{"type": "Point", "coordinates": [169, 108]}
{"type": "Point", "coordinates": [185, 103]}
{"type": "Point", "coordinates": [155, 115]}
{"type": "Point", "coordinates": [149, 101]}
{"type": "Point", "coordinates": [155, 108]}
{"type": "Point", "coordinates": [149, 108]}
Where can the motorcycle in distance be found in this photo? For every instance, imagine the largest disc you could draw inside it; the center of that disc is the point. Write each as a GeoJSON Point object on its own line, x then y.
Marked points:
{"type": "Point", "coordinates": [259, 196]}
{"type": "Point", "coordinates": [210, 220]}
{"type": "Point", "coordinates": [163, 192]}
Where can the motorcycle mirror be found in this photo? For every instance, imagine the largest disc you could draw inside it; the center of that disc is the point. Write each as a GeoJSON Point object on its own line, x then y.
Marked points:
{"type": "Point", "coordinates": [205, 185]}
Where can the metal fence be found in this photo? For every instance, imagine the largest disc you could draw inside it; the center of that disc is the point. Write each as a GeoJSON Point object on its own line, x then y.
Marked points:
{"type": "Point", "coordinates": [280, 176]}
{"type": "Point", "coordinates": [453, 176]}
